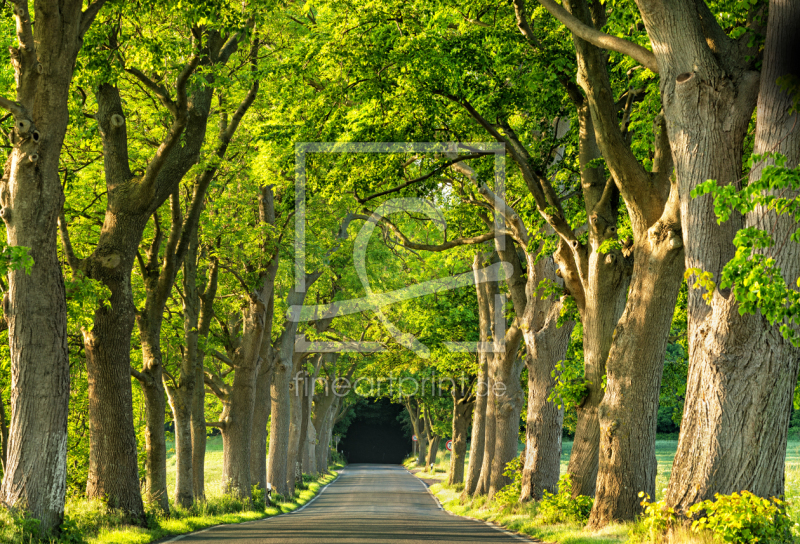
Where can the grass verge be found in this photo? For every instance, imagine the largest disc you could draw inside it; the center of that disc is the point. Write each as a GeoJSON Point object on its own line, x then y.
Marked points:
{"type": "Point", "coordinates": [220, 510]}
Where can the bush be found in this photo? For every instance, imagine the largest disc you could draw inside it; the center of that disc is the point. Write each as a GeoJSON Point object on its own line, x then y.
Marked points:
{"type": "Point", "coordinates": [509, 495]}
{"type": "Point", "coordinates": [561, 507]}
{"type": "Point", "coordinates": [655, 520]}
{"type": "Point", "coordinates": [744, 518]}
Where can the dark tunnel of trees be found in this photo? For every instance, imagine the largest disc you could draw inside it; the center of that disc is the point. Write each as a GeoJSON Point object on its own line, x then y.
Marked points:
{"type": "Point", "coordinates": [376, 433]}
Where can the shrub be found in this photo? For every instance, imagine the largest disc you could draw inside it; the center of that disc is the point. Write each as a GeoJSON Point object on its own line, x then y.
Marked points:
{"type": "Point", "coordinates": [744, 518]}
{"type": "Point", "coordinates": [510, 493]}
{"type": "Point", "coordinates": [561, 507]}
{"type": "Point", "coordinates": [655, 520]}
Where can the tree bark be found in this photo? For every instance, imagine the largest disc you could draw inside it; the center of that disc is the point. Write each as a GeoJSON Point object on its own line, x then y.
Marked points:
{"type": "Point", "coordinates": [31, 196]}
{"type": "Point", "coordinates": [463, 402]}
{"type": "Point", "coordinates": [433, 451]}
{"type": "Point", "coordinates": [478, 436]}
{"type": "Point", "coordinates": [546, 344]}
{"type": "Point", "coordinates": [277, 462]}
{"type": "Point", "coordinates": [155, 408]}
{"type": "Point", "coordinates": [326, 403]}
{"type": "Point", "coordinates": [738, 399]}
{"type": "Point", "coordinates": [484, 479]}
{"type": "Point", "coordinates": [628, 413]}
{"type": "Point", "coordinates": [508, 399]}
{"type": "Point", "coordinates": [422, 441]}
{"type": "Point", "coordinates": [263, 406]}
{"type": "Point", "coordinates": [237, 426]}
{"type": "Point", "coordinates": [181, 395]}
{"type": "Point", "coordinates": [113, 470]}
{"type": "Point", "coordinates": [297, 384]}
{"type": "Point", "coordinates": [205, 303]}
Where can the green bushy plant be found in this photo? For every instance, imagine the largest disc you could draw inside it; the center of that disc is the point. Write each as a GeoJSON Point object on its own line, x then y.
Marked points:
{"type": "Point", "coordinates": [654, 521]}
{"type": "Point", "coordinates": [743, 518]}
{"type": "Point", "coordinates": [510, 493]}
{"type": "Point", "coordinates": [561, 507]}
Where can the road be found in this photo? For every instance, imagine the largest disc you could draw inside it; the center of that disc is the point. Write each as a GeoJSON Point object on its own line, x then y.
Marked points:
{"type": "Point", "coordinates": [367, 504]}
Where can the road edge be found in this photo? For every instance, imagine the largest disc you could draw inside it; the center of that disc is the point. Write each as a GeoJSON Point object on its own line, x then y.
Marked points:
{"type": "Point", "coordinates": [266, 518]}
{"type": "Point", "coordinates": [519, 536]}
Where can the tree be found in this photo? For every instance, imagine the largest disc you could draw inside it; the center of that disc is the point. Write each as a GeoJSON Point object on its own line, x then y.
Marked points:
{"type": "Point", "coordinates": [34, 306]}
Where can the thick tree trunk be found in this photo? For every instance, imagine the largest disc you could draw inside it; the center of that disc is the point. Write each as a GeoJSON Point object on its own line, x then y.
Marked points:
{"type": "Point", "coordinates": [508, 400]}
{"type": "Point", "coordinates": [489, 436]}
{"type": "Point", "coordinates": [433, 451]}
{"type": "Point", "coordinates": [198, 399]}
{"type": "Point", "coordinates": [324, 446]}
{"type": "Point", "coordinates": [263, 406]}
{"type": "Point", "coordinates": [237, 427]}
{"type": "Point", "coordinates": [605, 291]}
{"type": "Point", "coordinates": [34, 306]}
{"type": "Point", "coordinates": [309, 452]}
{"type": "Point", "coordinates": [741, 371]}
{"type": "Point", "coordinates": [486, 292]}
{"type": "Point", "coordinates": [543, 430]}
{"type": "Point", "coordinates": [325, 406]}
{"type": "Point", "coordinates": [155, 408]}
{"type": "Point", "coordinates": [422, 442]}
{"type": "Point", "coordinates": [113, 463]}
{"type": "Point", "coordinates": [296, 439]}
{"type": "Point", "coordinates": [277, 462]}
{"type": "Point", "coordinates": [3, 433]}
{"type": "Point", "coordinates": [308, 434]}
{"type": "Point", "coordinates": [463, 401]}
{"type": "Point", "coordinates": [182, 417]}
{"type": "Point", "coordinates": [199, 433]}
{"type": "Point", "coordinates": [280, 395]}
{"type": "Point", "coordinates": [628, 413]}
{"type": "Point", "coordinates": [477, 442]}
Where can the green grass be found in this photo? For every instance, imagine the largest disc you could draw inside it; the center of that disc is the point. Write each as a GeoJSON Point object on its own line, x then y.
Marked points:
{"type": "Point", "coordinates": [217, 510]}
{"type": "Point", "coordinates": [522, 517]}
{"type": "Point", "coordinates": [92, 522]}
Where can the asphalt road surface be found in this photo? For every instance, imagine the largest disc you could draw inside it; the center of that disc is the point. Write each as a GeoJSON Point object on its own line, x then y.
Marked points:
{"type": "Point", "coordinates": [366, 504]}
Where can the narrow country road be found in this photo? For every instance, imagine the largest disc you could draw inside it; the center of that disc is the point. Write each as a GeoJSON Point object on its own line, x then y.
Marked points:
{"type": "Point", "coordinates": [367, 504]}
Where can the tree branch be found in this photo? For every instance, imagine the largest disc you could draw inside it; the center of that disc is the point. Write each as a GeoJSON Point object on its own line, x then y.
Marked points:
{"type": "Point", "coordinates": [179, 123]}
{"type": "Point", "coordinates": [643, 56]}
{"type": "Point", "coordinates": [24, 29]}
{"type": "Point", "coordinates": [72, 260]}
{"type": "Point", "coordinates": [423, 178]}
{"type": "Point", "coordinates": [88, 16]}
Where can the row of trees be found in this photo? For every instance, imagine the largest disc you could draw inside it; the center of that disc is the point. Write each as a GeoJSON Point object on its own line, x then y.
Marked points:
{"type": "Point", "coordinates": [181, 275]}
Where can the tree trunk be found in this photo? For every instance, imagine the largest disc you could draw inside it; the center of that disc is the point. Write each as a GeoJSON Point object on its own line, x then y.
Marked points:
{"type": "Point", "coordinates": [155, 408]}
{"type": "Point", "coordinates": [628, 413]}
{"type": "Point", "coordinates": [422, 442]}
{"type": "Point", "coordinates": [477, 442]}
{"type": "Point", "coordinates": [508, 401]}
{"type": "Point", "coordinates": [433, 451]}
{"type": "Point", "coordinates": [463, 402]}
{"type": "Point", "coordinates": [486, 292]}
{"type": "Point", "coordinates": [237, 427]}
{"type": "Point", "coordinates": [182, 417]}
{"type": "Point", "coordinates": [325, 406]}
{"type": "Point", "coordinates": [34, 305]}
{"type": "Point", "coordinates": [113, 464]}
{"type": "Point", "coordinates": [298, 380]}
{"type": "Point", "coordinates": [543, 430]}
{"type": "Point", "coordinates": [263, 406]}
{"type": "Point", "coordinates": [489, 436]}
{"type": "Point", "coordinates": [280, 394]}
{"type": "Point", "coordinates": [741, 371]}
{"type": "Point", "coordinates": [3, 433]}
{"type": "Point", "coordinates": [324, 446]}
